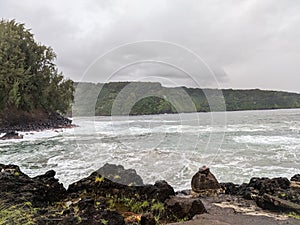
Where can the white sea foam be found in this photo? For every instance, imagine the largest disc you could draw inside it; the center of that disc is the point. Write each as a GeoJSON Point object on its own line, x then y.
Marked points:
{"type": "Point", "coordinates": [165, 147]}
{"type": "Point", "coordinates": [267, 140]}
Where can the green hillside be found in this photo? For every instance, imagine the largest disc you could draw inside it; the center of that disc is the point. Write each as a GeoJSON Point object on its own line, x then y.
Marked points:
{"type": "Point", "coordinates": [118, 98]}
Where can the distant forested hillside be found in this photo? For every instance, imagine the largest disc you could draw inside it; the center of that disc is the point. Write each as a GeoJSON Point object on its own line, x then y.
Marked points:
{"type": "Point", "coordinates": [131, 98]}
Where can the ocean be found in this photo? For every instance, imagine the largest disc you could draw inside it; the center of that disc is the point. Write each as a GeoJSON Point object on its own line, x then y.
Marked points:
{"type": "Point", "coordinates": [235, 145]}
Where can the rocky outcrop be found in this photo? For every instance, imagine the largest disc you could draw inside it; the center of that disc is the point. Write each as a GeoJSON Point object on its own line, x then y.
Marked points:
{"type": "Point", "coordinates": [274, 203]}
{"type": "Point", "coordinates": [98, 200]}
{"type": "Point", "coordinates": [11, 135]}
{"type": "Point", "coordinates": [119, 174]}
{"type": "Point", "coordinates": [274, 194]}
{"type": "Point", "coordinates": [98, 184]}
{"type": "Point", "coordinates": [296, 178]}
{"type": "Point", "coordinates": [205, 183]}
{"type": "Point", "coordinates": [16, 187]}
{"type": "Point", "coordinates": [46, 121]}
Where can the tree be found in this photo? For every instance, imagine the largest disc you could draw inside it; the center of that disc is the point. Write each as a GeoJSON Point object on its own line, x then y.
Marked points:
{"type": "Point", "coordinates": [29, 79]}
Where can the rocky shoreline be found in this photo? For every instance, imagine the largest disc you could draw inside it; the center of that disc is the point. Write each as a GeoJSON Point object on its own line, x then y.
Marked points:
{"type": "Point", "coordinates": [116, 196]}
{"type": "Point", "coordinates": [53, 121]}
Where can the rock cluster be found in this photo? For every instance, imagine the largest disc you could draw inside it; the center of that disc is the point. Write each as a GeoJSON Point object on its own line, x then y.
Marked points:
{"type": "Point", "coordinates": [53, 121]}
{"type": "Point", "coordinates": [274, 194]}
{"type": "Point", "coordinates": [91, 200]}
{"type": "Point", "coordinates": [98, 200]}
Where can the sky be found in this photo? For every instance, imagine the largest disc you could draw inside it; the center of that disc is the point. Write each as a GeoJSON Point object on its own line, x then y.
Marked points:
{"type": "Point", "coordinates": [238, 44]}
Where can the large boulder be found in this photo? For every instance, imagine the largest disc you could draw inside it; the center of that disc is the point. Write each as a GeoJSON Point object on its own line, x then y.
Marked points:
{"type": "Point", "coordinates": [204, 181]}
{"type": "Point", "coordinates": [119, 174]}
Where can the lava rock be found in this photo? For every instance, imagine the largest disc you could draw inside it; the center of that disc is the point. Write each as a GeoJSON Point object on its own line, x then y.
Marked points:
{"type": "Point", "coordinates": [230, 188]}
{"type": "Point", "coordinates": [269, 186]}
{"type": "Point", "coordinates": [41, 121]}
{"type": "Point", "coordinates": [296, 178]}
{"type": "Point", "coordinates": [183, 208]}
{"type": "Point", "coordinates": [204, 180]}
{"type": "Point", "coordinates": [274, 203]}
{"type": "Point", "coordinates": [11, 135]}
{"type": "Point", "coordinates": [16, 187]}
{"type": "Point", "coordinates": [96, 183]}
{"type": "Point", "coordinates": [147, 219]}
{"type": "Point", "coordinates": [119, 174]}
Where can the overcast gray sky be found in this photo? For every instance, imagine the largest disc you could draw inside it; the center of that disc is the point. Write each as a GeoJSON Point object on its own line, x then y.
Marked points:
{"type": "Point", "coordinates": [247, 43]}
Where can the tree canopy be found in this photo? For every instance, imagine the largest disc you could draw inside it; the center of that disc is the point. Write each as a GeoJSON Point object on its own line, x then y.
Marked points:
{"type": "Point", "coordinates": [29, 78]}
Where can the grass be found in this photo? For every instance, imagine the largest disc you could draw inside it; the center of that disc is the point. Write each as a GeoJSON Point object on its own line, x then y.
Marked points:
{"type": "Point", "coordinates": [294, 215]}
{"type": "Point", "coordinates": [99, 179]}
{"type": "Point", "coordinates": [17, 214]}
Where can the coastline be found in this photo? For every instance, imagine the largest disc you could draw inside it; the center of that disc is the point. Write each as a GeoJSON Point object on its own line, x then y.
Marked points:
{"type": "Point", "coordinates": [54, 121]}
{"type": "Point", "coordinates": [116, 196]}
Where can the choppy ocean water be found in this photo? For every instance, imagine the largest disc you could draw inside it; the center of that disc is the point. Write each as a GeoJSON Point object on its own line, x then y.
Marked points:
{"type": "Point", "coordinates": [235, 145]}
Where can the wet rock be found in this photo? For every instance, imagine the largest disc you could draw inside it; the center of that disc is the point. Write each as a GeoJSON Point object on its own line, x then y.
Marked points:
{"type": "Point", "coordinates": [117, 173]}
{"type": "Point", "coordinates": [204, 180]}
{"type": "Point", "coordinates": [184, 208]}
{"type": "Point", "coordinates": [296, 178]}
{"type": "Point", "coordinates": [147, 219]}
{"type": "Point", "coordinates": [11, 135]}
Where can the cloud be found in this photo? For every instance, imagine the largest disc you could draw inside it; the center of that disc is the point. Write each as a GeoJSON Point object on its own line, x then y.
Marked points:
{"type": "Point", "coordinates": [248, 43]}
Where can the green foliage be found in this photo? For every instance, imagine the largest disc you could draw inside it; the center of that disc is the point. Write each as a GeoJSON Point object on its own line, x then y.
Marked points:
{"type": "Point", "coordinates": [99, 179]}
{"type": "Point", "coordinates": [123, 98]}
{"type": "Point", "coordinates": [29, 79]}
{"type": "Point", "coordinates": [294, 215]}
{"type": "Point", "coordinates": [17, 214]}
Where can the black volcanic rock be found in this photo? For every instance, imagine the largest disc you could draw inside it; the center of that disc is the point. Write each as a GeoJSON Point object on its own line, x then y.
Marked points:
{"type": "Point", "coordinates": [117, 173]}
{"type": "Point", "coordinates": [11, 135]}
{"type": "Point", "coordinates": [17, 187]}
{"type": "Point", "coordinates": [98, 184]}
{"type": "Point", "coordinates": [296, 178]}
{"type": "Point", "coordinates": [184, 208]}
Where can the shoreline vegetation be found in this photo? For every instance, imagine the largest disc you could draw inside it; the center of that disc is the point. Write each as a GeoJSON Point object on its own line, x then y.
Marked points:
{"type": "Point", "coordinates": [33, 93]}
{"type": "Point", "coordinates": [117, 196]}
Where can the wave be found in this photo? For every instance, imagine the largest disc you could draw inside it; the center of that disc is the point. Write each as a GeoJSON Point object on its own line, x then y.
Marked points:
{"type": "Point", "coordinates": [267, 140]}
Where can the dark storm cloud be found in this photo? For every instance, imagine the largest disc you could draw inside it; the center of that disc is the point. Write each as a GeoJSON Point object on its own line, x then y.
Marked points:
{"type": "Point", "coordinates": [247, 43]}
